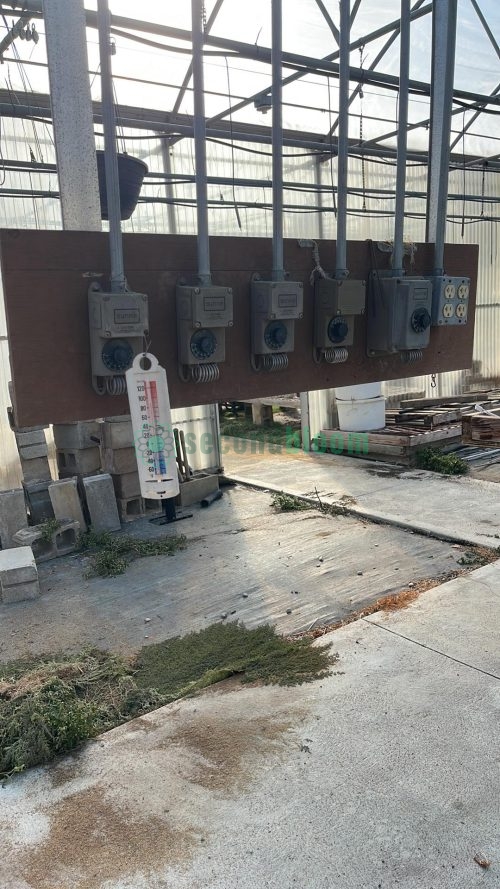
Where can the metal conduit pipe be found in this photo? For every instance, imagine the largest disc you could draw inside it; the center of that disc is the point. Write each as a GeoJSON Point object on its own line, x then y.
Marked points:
{"type": "Point", "coordinates": [200, 151]}
{"type": "Point", "coordinates": [278, 272]}
{"type": "Point", "coordinates": [343, 142]}
{"type": "Point", "coordinates": [402, 144]}
{"type": "Point", "coordinates": [444, 26]}
{"type": "Point", "coordinates": [118, 281]}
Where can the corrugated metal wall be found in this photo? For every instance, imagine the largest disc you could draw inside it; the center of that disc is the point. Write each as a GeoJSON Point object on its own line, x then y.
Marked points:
{"type": "Point", "coordinates": [21, 139]}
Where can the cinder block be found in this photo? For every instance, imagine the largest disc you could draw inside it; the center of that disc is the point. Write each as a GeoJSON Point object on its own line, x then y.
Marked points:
{"type": "Point", "coordinates": [18, 575]}
{"type": "Point", "coordinates": [17, 566]}
{"type": "Point", "coordinates": [33, 452]}
{"type": "Point", "coordinates": [130, 508]}
{"type": "Point", "coordinates": [12, 516]}
{"type": "Point", "coordinates": [76, 436]}
{"type": "Point", "coordinates": [127, 485]}
{"type": "Point", "coordinates": [36, 470]}
{"type": "Point", "coordinates": [66, 501]}
{"type": "Point", "coordinates": [196, 489]}
{"type": "Point", "coordinates": [38, 500]}
{"type": "Point", "coordinates": [27, 439]}
{"type": "Point", "coordinates": [152, 507]}
{"type": "Point", "coordinates": [21, 592]}
{"type": "Point", "coordinates": [79, 460]}
{"type": "Point", "coordinates": [120, 461]}
{"type": "Point", "coordinates": [117, 433]}
{"type": "Point", "coordinates": [62, 541]}
{"type": "Point", "coordinates": [101, 502]}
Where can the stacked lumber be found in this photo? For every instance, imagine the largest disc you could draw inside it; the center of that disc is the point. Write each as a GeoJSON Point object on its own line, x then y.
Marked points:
{"type": "Point", "coordinates": [482, 428]}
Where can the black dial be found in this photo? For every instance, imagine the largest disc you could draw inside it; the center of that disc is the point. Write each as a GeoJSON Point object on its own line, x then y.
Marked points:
{"type": "Point", "coordinates": [275, 335]}
{"type": "Point", "coordinates": [338, 329]}
{"type": "Point", "coordinates": [420, 320]}
{"type": "Point", "coordinates": [203, 344]}
{"type": "Point", "coordinates": [117, 355]}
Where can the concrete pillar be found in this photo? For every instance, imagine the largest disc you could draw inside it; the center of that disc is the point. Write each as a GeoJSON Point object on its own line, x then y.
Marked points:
{"type": "Point", "coordinates": [72, 114]}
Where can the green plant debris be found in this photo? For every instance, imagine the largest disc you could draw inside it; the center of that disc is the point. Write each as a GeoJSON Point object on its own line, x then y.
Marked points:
{"type": "Point", "coordinates": [52, 705]}
{"type": "Point", "coordinates": [473, 559]}
{"type": "Point", "coordinates": [288, 435]}
{"type": "Point", "coordinates": [114, 553]}
{"type": "Point", "coordinates": [282, 502]}
{"type": "Point", "coordinates": [436, 461]}
{"type": "Point", "coordinates": [49, 528]}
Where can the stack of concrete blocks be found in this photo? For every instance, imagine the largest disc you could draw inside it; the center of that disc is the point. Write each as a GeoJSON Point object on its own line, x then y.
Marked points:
{"type": "Point", "coordinates": [119, 458]}
{"type": "Point", "coordinates": [77, 449]}
{"type": "Point", "coordinates": [12, 516]}
{"type": "Point", "coordinates": [18, 575]}
{"type": "Point", "coordinates": [33, 455]}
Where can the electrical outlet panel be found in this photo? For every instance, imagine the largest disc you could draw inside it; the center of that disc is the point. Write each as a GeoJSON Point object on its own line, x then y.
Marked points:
{"type": "Point", "coordinates": [399, 314]}
{"type": "Point", "coordinates": [450, 300]}
{"type": "Point", "coordinates": [336, 303]}
{"type": "Point", "coordinates": [203, 315]}
{"type": "Point", "coordinates": [118, 324]}
{"type": "Point", "coordinates": [275, 306]}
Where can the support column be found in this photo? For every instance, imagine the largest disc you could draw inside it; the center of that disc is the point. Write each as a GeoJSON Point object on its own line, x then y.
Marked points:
{"type": "Point", "coordinates": [72, 114]}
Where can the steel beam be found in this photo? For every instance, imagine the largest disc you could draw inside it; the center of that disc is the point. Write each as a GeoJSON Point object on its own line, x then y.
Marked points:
{"type": "Point", "coordinates": [278, 271]}
{"type": "Point", "coordinates": [189, 72]}
{"type": "Point", "coordinates": [117, 278]}
{"type": "Point", "coordinates": [404, 72]}
{"type": "Point", "coordinates": [200, 138]}
{"type": "Point", "coordinates": [71, 103]}
{"type": "Point", "coordinates": [444, 25]}
{"type": "Point", "coordinates": [343, 144]}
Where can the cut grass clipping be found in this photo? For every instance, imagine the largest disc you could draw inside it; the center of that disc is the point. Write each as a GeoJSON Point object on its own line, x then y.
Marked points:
{"type": "Point", "coordinates": [50, 706]}
{"type": "Point", "coordinates": [113, 554]}
{"type": "Point", "coordinates": [446, 464]}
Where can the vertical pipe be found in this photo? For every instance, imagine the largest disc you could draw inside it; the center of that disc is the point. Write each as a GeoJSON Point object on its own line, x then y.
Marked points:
{"type": "Point", "coordinates": [404, 74]}
{"type": "Point", "coordinates": [169, 189]}
{"type": "Point", "coordinates": [118, 281]}
{"type": "Point", "coordinates": [278, 273]}
{"type": "Point", "coordinates": [72, 119]}
{"type": "Point", "coordinates": [200, 149]}
{"type": "Point", "coordinates": [318, 177]}
{"type": "Point", "coordinates": [343, 144]}
{"type": "Point", "coordinates": [444, 26]}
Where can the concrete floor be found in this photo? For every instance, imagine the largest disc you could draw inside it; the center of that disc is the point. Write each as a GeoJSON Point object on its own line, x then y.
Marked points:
{"type": "Point", "coordinates": [243, 560]}
{"type": "Point", "coordinates": [458, 508]}
{"type": "Point", "coordinates": [383, 776]}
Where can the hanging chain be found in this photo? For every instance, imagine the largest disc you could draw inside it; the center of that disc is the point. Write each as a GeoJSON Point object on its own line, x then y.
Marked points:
{"type": "Point", "coordinates": [204, 16]}
{"type": "Point", "coordinates": [363, 172]}
{"type": "Point", "coordinates": [433, 381]}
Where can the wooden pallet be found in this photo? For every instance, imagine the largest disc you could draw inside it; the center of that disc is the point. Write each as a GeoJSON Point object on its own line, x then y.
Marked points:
{"type": "Point", "coordinates": [394, 444]}
{"type": "Point", "coordinates": [482, 429]}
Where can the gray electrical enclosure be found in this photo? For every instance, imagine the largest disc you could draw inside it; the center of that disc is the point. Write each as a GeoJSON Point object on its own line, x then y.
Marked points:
{"type": "Point", "coordinates": [118, 324]}
{"type": "Point", "coordinates": [275, 306]}
{"type": "Point", "coordinates": [399, 314]}
{"type": "Point", "coordinates": [450, 300]}
{"type": "Point", "coordinates": [203, 314]}
{"type": "Point", "coordinates": [336, 303]}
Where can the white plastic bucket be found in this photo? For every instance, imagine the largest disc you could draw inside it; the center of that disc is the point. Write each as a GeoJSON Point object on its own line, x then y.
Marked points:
{"type": "Point", "coordinates": [362, 415]}
{"type": "Point", "coordinates": [353, 393]}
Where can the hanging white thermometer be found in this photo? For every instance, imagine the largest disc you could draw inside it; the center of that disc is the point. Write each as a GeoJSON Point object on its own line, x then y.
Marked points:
{"type": "Point", "coordinates": [152, 424]}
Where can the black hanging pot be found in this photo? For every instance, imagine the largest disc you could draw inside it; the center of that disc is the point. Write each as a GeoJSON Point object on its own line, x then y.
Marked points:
{"type": "Point", "coordinates": [131, 172]}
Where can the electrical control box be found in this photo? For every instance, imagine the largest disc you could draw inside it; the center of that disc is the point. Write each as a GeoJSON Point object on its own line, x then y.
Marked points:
{"type": "Point", "coordinates": [203, 315]}
{"type": "Point", "coordinates": [399, 314]}
{"type": "Point", "coordinates": [275, 306]}
{"type": "Point", "coordinates": [450, 300]}
{"type": "Point", "coordinates": [118, 324]}
{"type": "Point", "coordinates": [336, 303]}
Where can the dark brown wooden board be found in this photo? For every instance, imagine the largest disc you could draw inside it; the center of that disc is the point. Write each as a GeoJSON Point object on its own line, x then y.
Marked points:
{"type": "Point", "coordinates": [46, 277]}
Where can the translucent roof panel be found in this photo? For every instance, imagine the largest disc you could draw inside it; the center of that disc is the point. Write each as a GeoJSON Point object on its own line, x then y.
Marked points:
{"type": "Point", "coordinates": [150, 66]}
